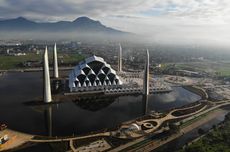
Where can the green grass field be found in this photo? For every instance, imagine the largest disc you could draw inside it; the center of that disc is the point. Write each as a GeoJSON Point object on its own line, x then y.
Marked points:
{"type": "Point", "coordinates": [216, 68]}
{"type": "Point", "coordinates": [12, 62]}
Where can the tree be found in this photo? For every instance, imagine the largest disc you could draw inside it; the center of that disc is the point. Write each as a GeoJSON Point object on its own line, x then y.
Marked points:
{"type": "Point", "coordinates": [201, 131]}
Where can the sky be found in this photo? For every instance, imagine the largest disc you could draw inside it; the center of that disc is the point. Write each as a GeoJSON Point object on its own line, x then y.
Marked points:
{"type": "Point", "coordinates": [170, 20]}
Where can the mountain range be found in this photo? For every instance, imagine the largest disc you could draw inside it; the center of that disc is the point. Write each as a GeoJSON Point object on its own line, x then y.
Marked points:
{"type": "Point", "coordinates": [82, 26]}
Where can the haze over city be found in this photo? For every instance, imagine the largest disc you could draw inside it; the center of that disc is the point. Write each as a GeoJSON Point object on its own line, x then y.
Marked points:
{"type": "Point", "coordinates": [173, 21]}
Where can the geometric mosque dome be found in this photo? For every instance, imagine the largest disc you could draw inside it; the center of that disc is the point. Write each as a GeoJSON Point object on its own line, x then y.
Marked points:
{"type": "Point", "coordinates": [93, 74]}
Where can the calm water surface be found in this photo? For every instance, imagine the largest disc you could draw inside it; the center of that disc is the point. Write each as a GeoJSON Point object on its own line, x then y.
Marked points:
{"type": "Point", "coordinates": [71, 117]}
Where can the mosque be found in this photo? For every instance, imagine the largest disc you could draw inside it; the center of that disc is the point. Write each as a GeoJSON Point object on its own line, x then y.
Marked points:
{"type": "Point", "coordinates": [94, 74]}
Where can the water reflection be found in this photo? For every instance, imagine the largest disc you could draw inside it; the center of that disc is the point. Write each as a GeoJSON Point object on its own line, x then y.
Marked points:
{"type": "Point", "coordinates": [57, 86]}
{"type": "Point", "coordinates": [78, 117]}
{"type": "Point", "coordinates": [94, 103]}
{"type": "Point", "coordinates": [145, 103]}
{"type": "Point", "coordinates": [48, 120]}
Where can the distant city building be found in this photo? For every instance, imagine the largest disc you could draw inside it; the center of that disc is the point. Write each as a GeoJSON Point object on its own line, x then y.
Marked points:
{"type": "Point", "coordinates": [93, 74]}
{"type": "Point", "coordinates": [7, 51]}
{"type": "Point", "coordinates": [188, 73]}
{"type": "Point", "coordinates": [15, 54]}
{"type": "Point", "coordinates": [31, 63]}
{"type": "Point", "coordinates": [18, 54]}
{"type": "Point", "coordinates": [37, 52]}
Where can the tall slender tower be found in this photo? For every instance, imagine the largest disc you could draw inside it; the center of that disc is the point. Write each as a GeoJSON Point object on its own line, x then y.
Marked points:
{"type": "Point", "coordinates": [120, 59]}
{"type": "Point", "coordinates": [55, 62]}
{"type": "Point", "coordinates": [46, 77]}
{"type": "Point", "coordinates": [146, 75]}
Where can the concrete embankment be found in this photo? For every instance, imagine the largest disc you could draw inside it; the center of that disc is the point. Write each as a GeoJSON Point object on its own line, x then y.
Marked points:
{"type": "Point", "coordinates": [197, 90]}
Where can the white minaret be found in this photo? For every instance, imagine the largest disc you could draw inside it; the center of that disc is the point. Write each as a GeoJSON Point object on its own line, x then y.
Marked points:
{"type": "Point", "coordinates": [55, 62]}
{"type": "Point", "coordinates": [47, 90]}
{"type": "Point", "coordinates": [146, 75]}
{"type": "Point", "coordinates": [120, 59]}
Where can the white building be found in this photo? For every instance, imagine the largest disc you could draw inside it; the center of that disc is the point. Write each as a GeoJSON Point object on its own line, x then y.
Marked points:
{"type": "Point", "coordinates": [93, 74]}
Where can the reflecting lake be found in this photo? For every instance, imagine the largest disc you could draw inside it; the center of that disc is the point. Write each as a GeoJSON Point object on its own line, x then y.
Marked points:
{"type": "Point", "coordinates": [80, 117]}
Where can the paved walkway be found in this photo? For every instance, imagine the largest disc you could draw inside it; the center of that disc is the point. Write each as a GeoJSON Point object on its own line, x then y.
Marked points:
{"type": "Point", "coordinates": [69, 138]}
{"type": "Point", "coordinates": [158, 121]}
{"type": "Point", "coordinates": [149, 146]}
{"type": "Point", "coordinates": [15, 139]}
{"type": "Point", "coordinates": [72, 146]}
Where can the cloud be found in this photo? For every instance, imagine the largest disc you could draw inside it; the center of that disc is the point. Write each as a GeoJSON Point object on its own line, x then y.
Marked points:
{"type": "Point", "coordinates": [198, 19]}
{"type": "Point", "coordinates": [69, 9]}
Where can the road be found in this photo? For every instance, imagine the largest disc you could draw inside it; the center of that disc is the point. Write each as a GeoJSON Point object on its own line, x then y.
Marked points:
{"type": "Point", "coordinates": [155, 144]}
